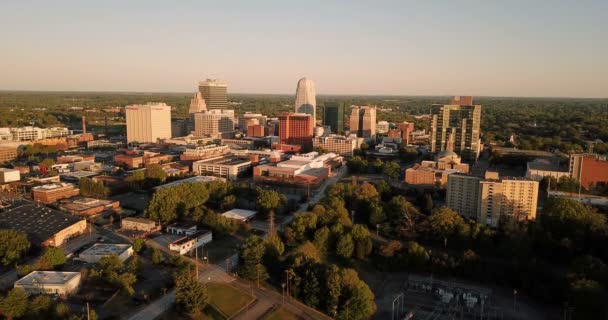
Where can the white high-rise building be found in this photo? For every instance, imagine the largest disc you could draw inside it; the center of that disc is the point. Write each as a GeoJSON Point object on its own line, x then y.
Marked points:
{"type": "Point", "coordinates": [148, 122]}
{"type": "Point", "coordinates": [306, 101]}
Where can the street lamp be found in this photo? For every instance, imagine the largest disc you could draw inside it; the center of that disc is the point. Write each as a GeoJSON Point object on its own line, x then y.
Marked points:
{"type": "Point", "coordinates": [283, 291]}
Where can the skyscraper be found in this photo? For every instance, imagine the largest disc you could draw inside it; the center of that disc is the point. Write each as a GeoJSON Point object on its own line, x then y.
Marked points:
{"type": "Point", "coordinates": [214, 93]}
{"type": "Point", "coordinates": [148, 122]}
{"type": "Point", "coordinates": [334, 116]}
{"type": "Point", "coordinates": [296, 129]}
{"type": "Point", "coordinates": [306, 101]}
{"type": "Point", "coordinates": [363, 121]}
{"type": "Point", "coordinates": [455, 127]}
{"type": "Point", "coordinates": [197, 103]}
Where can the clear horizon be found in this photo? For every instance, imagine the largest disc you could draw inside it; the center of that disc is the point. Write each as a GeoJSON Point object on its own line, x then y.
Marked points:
{"type": "Point", "coordinates": [399, 48]}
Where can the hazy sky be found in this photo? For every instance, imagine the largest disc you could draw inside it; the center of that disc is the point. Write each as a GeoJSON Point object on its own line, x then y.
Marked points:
{"type": "Point", "coordinates": [485, 47]}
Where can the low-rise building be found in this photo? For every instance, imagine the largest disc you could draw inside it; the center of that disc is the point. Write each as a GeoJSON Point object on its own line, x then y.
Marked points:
{"type": "Point", "coordinates": [50, 193]}
{"type": "Point", "coordinates": [537, 169]}
{"type": "Point", "coordinates": [229, 167]}
{"type": "Point", "coordinates": [9, 175]}
{"type": "Point", "coordinates": [430, 173]}
{"type": "Point", "coordinates": [182, 229]}
{"type": "Point", "coordinates": [240, 214]}
{"type": "Point", "coordinates": [204, 152]}
{"type": "Point", "coordinates": [138, 224]}
{"type": "Point", "coordinates": [342, 145]}
{"type": "Point", "coordinates": [196, 179]}
{"type": "Point", "coordinates": [191, 242]}
{"type": "Point", "coordinates": [101, 250]}
{"type": "Point", "coordinates": [88, 206]}
{"type": "Point", "coordinates": [8, 154]}
{"type": "Point", "coordinates": [50, 282]}
{"type": "Point", "coordinates": [43, 225]}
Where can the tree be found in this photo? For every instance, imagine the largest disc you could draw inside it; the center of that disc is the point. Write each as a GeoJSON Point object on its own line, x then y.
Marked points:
{"type": "Point", "coordinates": [311, 289]}
{"type": "Point", "coordinates": [366, 192]}
{"type": "Point", "coordinates": [274, 245]}
{"type": "Point", "coordinates": [309, 251]}
{"type": "Point", "coordinates": [252, 253]}
{"type": "Point", "coordinates": [345, 246]}
{"type": "Point", "coordinates": [392, 170]}
{"type": "Point", "coordinates": [333, 285]}
{"type": "Point", "coordinates": [157, 256]}
{"type": "Point", "coordinates": [427, 206]}
{"type": "Point", "coordinates": [53, 258]}
{"type": "Point", "coordinates": [228, 202]}
{"type": "Point", "coordinates": [587, 299]}
{"type": "Point", "coordinates": [91, 188]}
{"type": "Point", "coordinates": [417, 256]}
{"type": "Point", "coordinates": [13, 246]}
{"type": "Point", "coordinates": [357, 164]}
{"type": "Point", "coordinates": [402, 214]}
{"type": "Point", "coordinates": [321, 239]}
{"type": "Point", "coordinates": [41, 305]}
{"type": "Point", "coordinates": [376, 213]}
{"type": "Point", "coordinates": [362, 241]}
{"type": "Point", "coordinates": [155, 174]}
{"type": "Point", "coordinates": [62, 310]}
{"type": "Point", "coordinates": [190, 294]}
{"type": "Point", "coordinates": [167, 204]}
{"type": "Point", "coordinates": [15, 304]}
{"type": "Point", "coordinates": [444, 222]}
{"type": "Point", "coordinates": [139, 245]}
{"type": "Point", "coordinates": [267, 200]}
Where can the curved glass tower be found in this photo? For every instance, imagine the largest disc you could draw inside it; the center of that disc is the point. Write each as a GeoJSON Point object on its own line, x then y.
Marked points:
{"type": "Point", "coordinates": [306, 101]}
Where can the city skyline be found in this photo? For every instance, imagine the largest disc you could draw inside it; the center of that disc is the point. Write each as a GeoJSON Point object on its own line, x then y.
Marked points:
{"type": "Point", "coordinates": [415, 49]}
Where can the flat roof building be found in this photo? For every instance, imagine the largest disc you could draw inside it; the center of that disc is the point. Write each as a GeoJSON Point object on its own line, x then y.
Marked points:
{"type": "Point", "coordinates": [101, 250]}
{"type": "Point", "coordinates": [50, 193]}
{"type": "Point", "coordinates": [342, 145]}
{"type": "Point", "coordinates": [240, 214]}
{"type": "Point", "coordinates": [456, 127]}
{"type": "Point", "coordinates": [215, 122]}
{"type": "Point", "coordinates": [9, 175]}
{"type": "Point", "coordinates": [363, 121]}
{"type": "Point", "coordinates": [86, 207]}
{"type": "Point", "coordinates": [191, 241]}
{"type": "Point", "coordinates": [228, 167]}
{"type": "Point", "coordinates": [50, 282]}
{"type": "Point", "coordinates": [296, 129]}
{"type": "Point", "coordinates": [148, 122]}
{"type": "Point", "coordinates": [214, 93]}
{"type": "Point", "coordinates": [138, 224]}
{"type": "Point", "coordinates": [8, 154]}
{"type": "Point", "coordinates": [43, 225]}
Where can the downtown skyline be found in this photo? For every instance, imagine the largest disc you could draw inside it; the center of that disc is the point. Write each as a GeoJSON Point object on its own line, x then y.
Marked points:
{"type": "Point", "coordinates": [545, 49]}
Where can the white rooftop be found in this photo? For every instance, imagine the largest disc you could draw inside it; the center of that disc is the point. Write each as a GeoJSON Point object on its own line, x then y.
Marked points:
{"type": "Point", "coordinates": [47, 277]}
{"type": "Point", "coordinates": [106, 249]}
{"type": "Point", "coordinates": [239, 214]}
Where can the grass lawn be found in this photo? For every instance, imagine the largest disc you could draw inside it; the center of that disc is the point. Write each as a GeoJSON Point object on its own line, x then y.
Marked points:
{"type": "Point", "coordinates": [226, 299]}
{"type": "Point", "coordinates": [281, 314]}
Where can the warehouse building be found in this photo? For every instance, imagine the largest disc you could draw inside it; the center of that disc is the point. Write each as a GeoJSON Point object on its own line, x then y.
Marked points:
{"type": "Point", "coordinates": [101, 250]}
{"type": "Point", "coordinates": [50, 282]}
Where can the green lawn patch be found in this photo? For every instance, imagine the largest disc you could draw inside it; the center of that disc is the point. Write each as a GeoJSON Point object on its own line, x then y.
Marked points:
{"type": "Point", "coordinates": [227, 299]}
{"type": "Point", "coordinates": [281, 314]}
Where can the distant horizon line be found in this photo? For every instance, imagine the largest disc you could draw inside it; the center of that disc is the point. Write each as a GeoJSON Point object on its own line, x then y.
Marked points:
{"type": "Point", "coordinates": [293, 94]}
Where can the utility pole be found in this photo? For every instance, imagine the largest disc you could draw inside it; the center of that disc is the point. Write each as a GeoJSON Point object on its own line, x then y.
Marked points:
{"type": "Point", "coordinates": [271, 230]}
{"type": "Point", "coordinates": [88, 312]}
{"type": "Point", "coordinates": [196, 257]}
{"type": "Point", "coordinates": [257, 268]}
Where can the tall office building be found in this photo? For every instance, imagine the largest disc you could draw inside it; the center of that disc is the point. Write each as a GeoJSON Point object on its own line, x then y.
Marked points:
{"type": "Point", "coordinates": [148, 122]}
{"type": "Point", "coordinates": [455, 127]}
{"type": "Point", "coordinates": [214, 122]}
{"type": "Point", "coordinates": [334, 116]}
{"type": "Point", "coordinates": [197, 103]}
{"type": "Point", "coordinates": [363, 121]}
{"type": "Point", "coordinates": [296, 129]}
{"type": "Point", "coordinates": [489, 199]}
{"type": "Point", "coordinates": [306, 101]}
{"type": "Point", "coordinates": [214, 92]}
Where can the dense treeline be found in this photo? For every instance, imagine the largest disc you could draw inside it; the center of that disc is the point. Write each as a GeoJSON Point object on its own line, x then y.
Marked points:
{"type": "Point", "coordinates": [559, 257]}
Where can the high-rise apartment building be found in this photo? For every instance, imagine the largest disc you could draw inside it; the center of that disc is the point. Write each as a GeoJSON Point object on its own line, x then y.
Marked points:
{"type": "Point", "coordinates": [334, 116]}
{"type": "Point", "coordinates": [306, 101]}
{"type": "Point", "coordinates": [213, 122]}
{"type": "Point", "coordinates": [214, 93]}
{"type": "Point", "coordinates": [197, 103]}
{"type": "Point", "coordinates": [148, 122]}
{"type": "Point", "coordinates": [406, 129]}
{"type": "Point", "coordinates": [296, 129]}
{"type": "Point", "coordinates": [363, 121]}
{"type": "Point", "coordinates": [489, 199]}
{"type": "Point", "coordinates": [455, 127]}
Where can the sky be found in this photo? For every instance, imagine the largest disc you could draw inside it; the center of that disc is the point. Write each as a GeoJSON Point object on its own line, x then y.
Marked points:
{"type": "Point", "coordinates": [484, 48]}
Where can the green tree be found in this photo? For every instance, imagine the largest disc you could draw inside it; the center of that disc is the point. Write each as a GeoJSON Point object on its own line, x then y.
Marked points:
{"type": "Point", "coordinates": [311, 289]}
{"type": "Point", "coordinates": [157, 256]}
{"type": "Point", "coordinates": [53, 258]}
{"type": "Point", "coordinates": [427, 206]}
{"type": "Point", "coordinates": [445, 222]}
{"type": "Point", "coordinates": [252, 253]}
{"type": "Point", "coordinates": [309, 251]}
{"type": "Point", "coordinates": [139, 245]}
{"type": "Point", "coordinates": [274, 245]}
{"type": "Point", "coordinates": [362, 241]}
{"type": "Point", "coordinates": [13, 246]}
{"type": "Point", "coordinates": [392, 170]}
{"type": "Point", "coordinates": [357, 164]}
{"type": "Point", "coordinates": [15, 304]}
{"type": "Point", "coordinates": [366, 192]}
{"type": "Point", "coordinates": [40, 305]}
{"type": "Point", "coordinates": [62, 311]}
{"type": "Point", "coordinates": [190, 294]}
{"type": "Point", "coordinates": [267, 200]}
{"type": "Point", "coordinates": [167, 204]}
{"type": "Point", "coordinates": [417, 256]}
{"type": "Point", "coordinates": [321, 239]}
{"type": "Point", "coordinates": [376, 213]}
{"type": "Point", "coordinates": [587, 299]}
{"type": "Point", "coordinates": [402, 214]}
{"type": "Point", "coordinates": [333, 284]}
{"type": "Point", "coordinates": [229, 202]}
{"type": "Point", "coordinates": [345, 246]}
{"type": "Point", "coordinates": [155, 174]}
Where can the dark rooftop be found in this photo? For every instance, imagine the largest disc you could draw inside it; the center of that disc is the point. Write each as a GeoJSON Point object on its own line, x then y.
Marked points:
{"type": "Point", "coordinates": [39, 222]}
